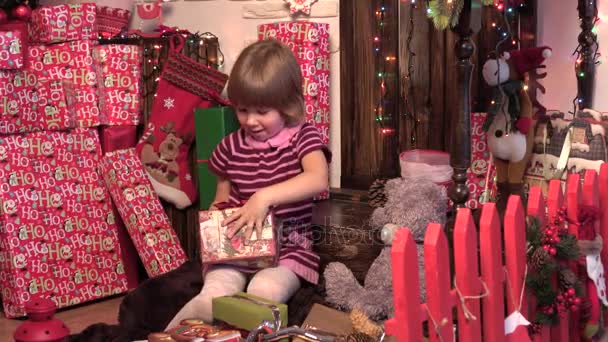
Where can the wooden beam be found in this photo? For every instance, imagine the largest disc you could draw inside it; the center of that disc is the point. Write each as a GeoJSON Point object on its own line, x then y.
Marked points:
{"type": "Point", "coordinates": [460, 147]}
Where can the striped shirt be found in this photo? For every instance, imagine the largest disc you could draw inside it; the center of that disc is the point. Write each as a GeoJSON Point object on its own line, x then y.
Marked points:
{"type": "Point", "coordinates": [250, 169]}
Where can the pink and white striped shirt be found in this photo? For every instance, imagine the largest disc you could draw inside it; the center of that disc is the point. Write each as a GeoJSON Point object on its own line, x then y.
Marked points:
{"type": "Point", "coordinates": [250, 166]}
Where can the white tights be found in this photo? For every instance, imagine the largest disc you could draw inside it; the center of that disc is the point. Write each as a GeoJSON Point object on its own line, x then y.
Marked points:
{"type": "Point", "coordinates": [277, 284]}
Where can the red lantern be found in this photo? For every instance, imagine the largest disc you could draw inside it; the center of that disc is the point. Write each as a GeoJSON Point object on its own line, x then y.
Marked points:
{"type": "Point", "coordinates": [41, 326]}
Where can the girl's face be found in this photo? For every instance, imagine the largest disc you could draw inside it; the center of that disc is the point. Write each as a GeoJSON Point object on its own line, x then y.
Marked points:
{"type": "Point", "coordinates": [260, 123]}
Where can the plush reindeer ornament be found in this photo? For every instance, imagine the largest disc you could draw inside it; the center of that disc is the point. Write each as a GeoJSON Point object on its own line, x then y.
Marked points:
{"type": "Point", "coordinates": [510, 118]}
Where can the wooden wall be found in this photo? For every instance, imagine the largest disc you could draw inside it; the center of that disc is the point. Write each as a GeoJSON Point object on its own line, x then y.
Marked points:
{"type": "Point", "coordinates": [422, 104]}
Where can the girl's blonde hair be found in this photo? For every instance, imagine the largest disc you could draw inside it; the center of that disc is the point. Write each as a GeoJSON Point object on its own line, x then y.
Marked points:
{"type": "Point", "coordinates": [267, 75]}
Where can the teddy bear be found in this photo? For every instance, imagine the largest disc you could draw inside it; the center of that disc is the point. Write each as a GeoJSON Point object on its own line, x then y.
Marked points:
{"type": "Point", "coordinates": [410, 204]}
{"type": "Point", "coordinates": [510, 118]}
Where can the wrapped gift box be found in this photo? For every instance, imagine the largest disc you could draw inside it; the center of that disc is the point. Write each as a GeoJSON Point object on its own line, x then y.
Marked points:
{"type": "Point", "coordinates": [11, 49]}
{"type": "Point", "coordinates": [141, 211]}
{"type": "Point", "coordinates": [309, 42]}
{"type": "Point", "coordinates": [62, 23]}
{"type": "Point", "coordinates": [58, 237]}
{"type": "Point", "coordinates": [327, 320]}
{"type": "Point", "coordinates": [30, 104]}
{"type": "Point", "coordinates": [216, 248]}
{"type": "Point", "coordinates": [70, 62]}
{"type": "Point", "coordinates": [478, 178]}
{"type": "Point", "coordinates": [112, 21]}
{"type": "Point", "coordinates": [245, 311]}
{"type": "Point", "coordinates": [211, 125]}
{"type": "Point", "coordinates": [118, 70]}
{"type": "Point", "coordinates": [13, 45]}
{"type": "Point", "coordinates": [194, 329]}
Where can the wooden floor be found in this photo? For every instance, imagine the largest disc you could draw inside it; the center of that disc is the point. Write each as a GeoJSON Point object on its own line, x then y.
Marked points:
{"type": "Point", "coordinates": [76, 319]}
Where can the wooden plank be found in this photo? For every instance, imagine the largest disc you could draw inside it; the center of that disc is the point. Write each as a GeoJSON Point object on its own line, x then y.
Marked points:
{"type": "Point", "coordinates": [450, 87]}
{"type": "Point", "coordinates": [492, 272]}
{"type": "Point", "coordinates": [467, 277]}
{"type": "Point", "coordinates": [573, 205]}
{"type": "Point", "coordinates": [347, 82]}
{"type": "Point", "coordinates": [437, 276]}
{"type": "Point", "coordinates": [407, 323]}
{"type": "Point", "coordinates": [437, 56]}
{"type": "Point", "coordinates": [515, 254]}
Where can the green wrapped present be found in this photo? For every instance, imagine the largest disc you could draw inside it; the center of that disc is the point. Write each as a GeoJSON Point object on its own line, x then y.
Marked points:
{"type": "Point", "coordinates": [244, 311]}
{"type": "Point", "coordinates": [211, 126]}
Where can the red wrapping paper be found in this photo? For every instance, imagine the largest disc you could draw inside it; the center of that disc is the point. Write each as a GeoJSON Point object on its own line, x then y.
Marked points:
{"type": "Point", "coordinates": [147, 223]}
{"type": "Point", "coordinates": [58, 238]}
{"type": "Point", "coordinates": [118, 70]}
{"type": "Point", "coordinates": [29, 104]}
{"type": "Point", "coordinates": [62, 23]}
{"type": "Point", "coordinates": [72, 63]}
{"type": "Point", "coordinates": [477, 173]}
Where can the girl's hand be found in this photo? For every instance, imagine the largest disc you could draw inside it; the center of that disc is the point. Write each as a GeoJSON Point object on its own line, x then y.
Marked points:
{"type": "Point", "coordinates": [249, 217]}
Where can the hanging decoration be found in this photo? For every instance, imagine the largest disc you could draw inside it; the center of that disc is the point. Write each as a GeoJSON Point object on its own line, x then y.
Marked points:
{"type": "Point", "coordinates": [410, 106]}
{"type": "Point", "coordinates": [551, 248]}
{"type": "Point", "coordinates": [382, 117]}
{"type": "Point", "coordinates": [303, 6]}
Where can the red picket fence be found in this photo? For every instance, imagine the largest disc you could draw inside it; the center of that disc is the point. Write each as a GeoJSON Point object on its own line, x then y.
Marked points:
{"type": "Point", "coordinates": [480, 271]}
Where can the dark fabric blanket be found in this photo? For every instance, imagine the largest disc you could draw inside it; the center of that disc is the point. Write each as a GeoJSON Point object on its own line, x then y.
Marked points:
{"type": "Point", "coordinates": [152, 305]}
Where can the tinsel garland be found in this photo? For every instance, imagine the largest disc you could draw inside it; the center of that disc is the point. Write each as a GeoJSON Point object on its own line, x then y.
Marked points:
{"type": "Point", "coordinates": [551, 249]}
{"type": "Point", "coordinates": [446, 13]}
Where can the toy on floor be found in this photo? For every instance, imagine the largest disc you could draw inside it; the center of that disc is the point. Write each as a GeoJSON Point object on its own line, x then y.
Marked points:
{"type": "Point", "coordinates": [41, 326]}
{"type": "Point", "coordinates": [410, 204]}
{"type": "Point", "coordinates": [510, 118]}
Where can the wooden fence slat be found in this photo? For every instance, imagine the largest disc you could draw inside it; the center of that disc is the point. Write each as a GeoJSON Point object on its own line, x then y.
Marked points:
{"type": "Point", "coordinates": [591, 196]}
{"type": "Point", "coordinates": [603, 190]}
{"type": "Point", "coordinates": [555, 201]}
{"type": "Point", "coordinates": [537, 208]}
{"type": "Point", "coordinates": [467, 276]}
{"type": "Point", "coordinates": [492, 272]}
{"type": "Point", "coordinates": [437, 273]}
{"type": "Point", "coordinates": [573, 204]}
{"type": "Point", "coordinates": [515, 254]}
{"type": "Point", "coordinates": [407, 323]}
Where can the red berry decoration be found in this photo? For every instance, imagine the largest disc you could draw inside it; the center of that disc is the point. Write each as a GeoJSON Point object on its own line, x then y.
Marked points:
{"type": "Point", "coordinates": [22, 12]}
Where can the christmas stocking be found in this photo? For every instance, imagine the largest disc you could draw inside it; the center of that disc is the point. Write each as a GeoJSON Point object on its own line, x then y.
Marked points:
{"type": "Point", "coordinates": [185, 84]}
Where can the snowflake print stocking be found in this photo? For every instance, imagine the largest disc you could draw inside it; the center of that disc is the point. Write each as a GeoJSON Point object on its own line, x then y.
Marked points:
{"type": "Point", "coordinates": [303, 6]}
{"type": "Point", "coordinates": [185, 84]}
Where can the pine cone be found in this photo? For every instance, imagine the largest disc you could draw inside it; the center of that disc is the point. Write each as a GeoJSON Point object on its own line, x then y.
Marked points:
{"type": "Point", "coordinates": [540, 258]}
{"type": "Point", "coordinates": [567, 278]}
{"type": "Point", "coordinates": [376, 194]}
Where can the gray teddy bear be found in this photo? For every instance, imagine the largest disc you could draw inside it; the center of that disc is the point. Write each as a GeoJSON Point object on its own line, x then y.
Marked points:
{"type": "Point", "coordinates": [411, 204]}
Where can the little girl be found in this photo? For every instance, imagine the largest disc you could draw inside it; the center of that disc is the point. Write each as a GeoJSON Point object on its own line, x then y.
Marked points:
{"type": "Point", "coordinates": [275, 161]}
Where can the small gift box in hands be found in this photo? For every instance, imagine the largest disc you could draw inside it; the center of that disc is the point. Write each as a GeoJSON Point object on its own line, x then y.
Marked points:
{"type": "Point", "coordinates": [216, 248]}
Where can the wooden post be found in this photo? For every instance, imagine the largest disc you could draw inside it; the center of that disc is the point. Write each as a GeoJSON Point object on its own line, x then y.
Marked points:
{"type": "Point", "coordinates": [585, 72]}
{"type": "Point", "coordinates": [460, 147]}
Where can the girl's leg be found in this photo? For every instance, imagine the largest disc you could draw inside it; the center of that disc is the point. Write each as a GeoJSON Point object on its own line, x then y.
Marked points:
{"type": "Point", "coordinates": [219, 282]}
{"type": "Point", "coordinates": [276, 283]}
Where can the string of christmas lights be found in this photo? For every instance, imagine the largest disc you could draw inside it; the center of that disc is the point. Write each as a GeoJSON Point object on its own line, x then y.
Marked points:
{"type": "Point", "coordinates": [580, 57]}
{"type": "Point", "coordinates": [379, 48]}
